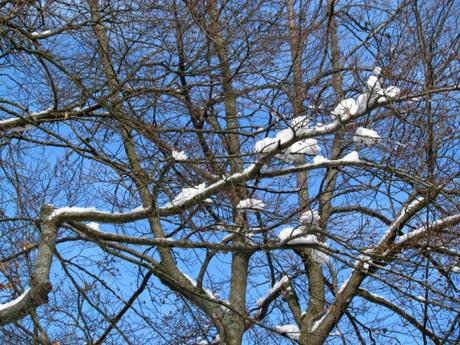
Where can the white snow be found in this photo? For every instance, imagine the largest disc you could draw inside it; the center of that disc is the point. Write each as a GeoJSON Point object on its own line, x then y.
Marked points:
{"type": "Point", "coordinates": [42, 112]}
{"type": "Point", "coordinates": [74, 210]}
{"type": "Point", "coordinates": [300, 122]}
{"type": "Point", "coordinates": [250, 204]}
{"type": "Point", "coordinates": [188, 193]}
{"type": "Point", "coordinates": [15, 301]}
{"type": "Point", "coordinates": [93, 225]}
{"type": "Point", "coordinates": [292, 331]}
{"type": "Point", "coordinates": [265, 145]}
{"type": "Point", "coordinates": [320, 159]}
{"type": "Point", "coordinates": [363, 102]}
{"type": "Point", "coordinates": [389, 93]}
{"type": "Point", "coordinates": [42, 33]}
{"type": "Point", "coordinates": [351, 157]}
{"type": "Point", "coordinates": [289, 232]}
{"type": "Point", "coordinates": [310, 217]}
{"type": "Point", "coordinates": [366, 136]}
{"type": "Point", "coordinates": [345, 109]}
{"type": "Point", "coordinates": [344, 285]}
{"type": "Point", "coordinates": [9, 120]}
{"type": "Point", "coordinates": [363, 258]}
{"type": "Point", "coordinates": [276, 287]}
{"type": "Point", "coordinates": [138, 209]}
{"type": "Point", "coordinates": [308, 239]}
{"type": "Point", "coordinates": [377, 71]}
{"type": "Point", "coordinates": [306, 147]}
{"type": "Point", "coordinates": [284, 135]}
{"type": "Point", "coordinates": [318, 322]}
{"type": "Point", "coordinates": [455, 269]}
{"type": "Point", "coordinates": [373, 84]}
{"type": "Point", "coordinates": [319, 257]}
{"type": "Point", "coordinates": [179, 156]}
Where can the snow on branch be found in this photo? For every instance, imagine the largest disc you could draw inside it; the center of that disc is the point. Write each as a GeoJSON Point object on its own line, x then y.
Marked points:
{"type": "Point", "coordinates": [179, 156]}
{"type": "Point", "coordinates": [426, 230]}
{"type": "Point", "coordinates": [291, 331]}
{"type": "Point", "coordinates": [187, 194]}
{"type": "Point", "coordinates": [366, 136]}
{"type": "Point", "coordinates": [248, 204]}
{"type": "Point", "coordinates": [298, 236]}
{"type": "Point", "coordinates": [40, 286]}
{"type": "Point", "coordinates": [14, 302]}
{"type": "Point", "coordinates": [273, 292]}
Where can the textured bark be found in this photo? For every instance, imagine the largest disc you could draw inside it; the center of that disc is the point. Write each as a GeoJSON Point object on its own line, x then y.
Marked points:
{"type": "Point", "coordinates": [40, 285]}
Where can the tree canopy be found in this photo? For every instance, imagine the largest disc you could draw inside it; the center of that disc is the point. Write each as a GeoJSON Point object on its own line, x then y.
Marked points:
{"type": "Point", "coordinates": [229, 172]}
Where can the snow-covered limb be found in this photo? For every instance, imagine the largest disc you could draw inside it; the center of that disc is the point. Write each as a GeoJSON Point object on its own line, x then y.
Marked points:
{"type": "Point", "coordinates": [274, 291]}
{"type": "Point", "coordinates": [298, 236]}
{"type": "Point", "coordinates": [404, 215]}
{"type": "Point", "coordinates": [319, 159]}
{"type": "Point", "coordinates": [179, 156]}
{"type": "Point", "coordinates": [40, 286]}
{"type": "Point", "coordinates": [351, 157]}
{"type": "Point", "coordinates": [30, 120]}
{"type": "Point", "coordinates": [306, 147]}
{"type": "Point", "coordinates": [265, 145]}
{"type": "Point", "coordinates": [319, 321]}
{"type": "Point", "coordinates": [187, 193]}
{"type": "Point", "coordinates": [310, 217]}
{"type": "Point", "coordinates": [14, 302]}
{"type": "Point", "coordinates": [41, 34]}
{"type": "Point", "coordinates": [94, 226]}
{"type": "Point", "coordinates": [291, 331]}
{"type": "Point", "coordinates": [247, 204]}
{"type": "Point", "coordinates": [433, 227]}
{"type": "Point", "coordinates": [208, 292]}
{"type": "Point", "coordinates": [366, 136]}
{"type": "Point", "coordinates": [345, 109]}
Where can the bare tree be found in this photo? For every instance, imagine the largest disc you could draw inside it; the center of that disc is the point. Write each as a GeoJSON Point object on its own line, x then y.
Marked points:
{"type": "Point", "coordinates": [208, 172]}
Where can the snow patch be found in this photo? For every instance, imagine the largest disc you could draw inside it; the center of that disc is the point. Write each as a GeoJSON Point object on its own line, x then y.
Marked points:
{"type": "Point", "coordinates": [15, 301]}
{"type": "Point", "coordinates": [373, 84]}
{"type": "Point", "coordinates": [187, 194]}
{"type": "Point", "coordinates": [310, 217]}
{"type": "Point", "coordinates": [284, 135]}
{"type": "Point", "coordinates": [93, 225]}
{"type": "Point", "coordinates": [351, 157]}
{"type": "Point", "coordinates": [42, 33]}
{"type": "Point", "coordinates": [250, 203]}
{"type": "Point", "coordinates": [179, 156]}
{"type": "Point", "coordinates": [318, 322]}
{"type": "Point", "coordinates": [307, 147]}
{"type": "Point", "coordinates": [320, 159]}
{"type": "Point", "coordinates": [289, 232]}
{"type": "Point", "coordinates": [366, 136]}
{"type": "Point", "coordinates": [73, 210]}
{"type": "Point", "coordinates": [345, 109]}
{"type": "Point", "coordinates": [276, 287]}
{"type": "Point", "coordinates": [265, 145]}
{"type": "Point", "coordinates": [291, 331]}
